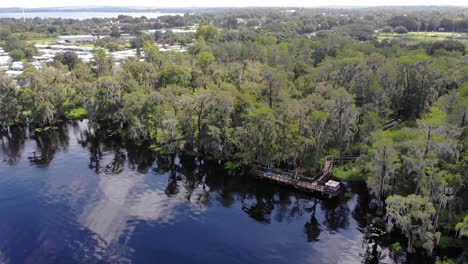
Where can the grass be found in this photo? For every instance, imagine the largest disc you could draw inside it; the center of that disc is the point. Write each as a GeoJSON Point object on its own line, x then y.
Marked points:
{"type": "Point", "coordinates": [396, 247]}
{"type": "Point", "coordinates": [89, 45]}
{"type": "Point", "coordinates": [76, 113]}
{"type": "Point", "coordinates": [415, 37]}
{"type": "Point", "coordinates": [232, 165]}
{"type": "Point", "coordinates": [348, 173]}
{"type": "Point", "coordinates": [48, 40]}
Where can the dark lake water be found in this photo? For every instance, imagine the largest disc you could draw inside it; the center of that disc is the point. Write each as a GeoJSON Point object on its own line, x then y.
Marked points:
{"type": "Point", "coordinates": [62, 207]}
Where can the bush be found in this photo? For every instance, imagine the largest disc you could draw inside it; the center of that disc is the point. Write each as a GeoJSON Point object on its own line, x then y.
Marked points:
{"type": "Point", "coordinates": [448, 45]}
{"type": "Point", "coordinates": [68, 58]}
{"type": "Point", "coordinates": [350, 174]}
{"type": "Point", "coordinates": [112, 46]}
{"type": "Point", "coordinates": [401, 30]}
{"type": "Point", "coordinates": [232, 165]}
{"type": "Point", "coordinates": [387, 29]}
{"type": "Point", "coordinates": [17, 55]}
{"type": "Point", "coordinates": [396, 247]}
{"type": "Point", "coordinates": [76, 113]}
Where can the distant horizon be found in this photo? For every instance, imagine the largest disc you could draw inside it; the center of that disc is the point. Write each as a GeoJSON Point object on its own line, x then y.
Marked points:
{"type": "Point", "coordinates": [252, 6]}
{"type": "Point", "coordinates": [148, 4]}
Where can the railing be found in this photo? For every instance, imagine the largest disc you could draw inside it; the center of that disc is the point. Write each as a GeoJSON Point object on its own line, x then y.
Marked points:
{"type": "Point", "coordinates": [298, 181]}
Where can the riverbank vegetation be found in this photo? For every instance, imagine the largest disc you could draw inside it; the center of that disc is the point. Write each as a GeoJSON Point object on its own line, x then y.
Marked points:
{"type": "Point", "coordinates": [274, 97]}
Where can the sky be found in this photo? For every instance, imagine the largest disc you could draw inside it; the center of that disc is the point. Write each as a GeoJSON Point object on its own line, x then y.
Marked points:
{"type": "Point", "coordinates": [224, 3]}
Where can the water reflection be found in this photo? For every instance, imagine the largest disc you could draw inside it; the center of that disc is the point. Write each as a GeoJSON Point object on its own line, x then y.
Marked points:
{"type": "Point", "coordinates": [99, 197]}
{"type": "Point", "coordinates": [3, 259]}
{"type": "Point", "coordinates": [312, 227]}
{"type": "Point", "coordinates": [12, 142]}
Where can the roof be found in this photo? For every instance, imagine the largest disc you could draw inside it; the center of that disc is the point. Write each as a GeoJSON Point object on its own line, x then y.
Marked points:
{"type": "Point", "coordinates": [13, 73]}
{"type": "Point", "coordinates": [332, 184]}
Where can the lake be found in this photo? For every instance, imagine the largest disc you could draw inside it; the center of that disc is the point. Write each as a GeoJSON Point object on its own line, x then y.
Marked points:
{"type": "Point", "coordinates": [70, 196]}
{"type": "Point", "coordinates": [85, 15]}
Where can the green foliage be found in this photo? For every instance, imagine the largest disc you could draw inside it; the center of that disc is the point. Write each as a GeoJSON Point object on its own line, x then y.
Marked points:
{"type": "Point", "coordinates": [413, 216]}
{"type": "Point", "coordinates": [462, 227]}
{"type": "Point", "coordinates": [396, 247]}
{"type": "Point", "coordinates": [387, 29]}
{"type": "Point", "coordinates": [208, 32]}
{"type": "Point", "coordinates": [232, 165]}
{"type": "Point", "coordinates": [448, 45]}
{"type": "Point", "coordinates": [103, 62]}
{"type": "Point", "coordinates": [348, 173]}
{"type": "Point", "coordinates": [160, 150]}
{"type": "Point", "coordinates": [205, 59]}
{"type": "Point", "coordinates": [280, 90]}
{"type": "Point", "coordinates": [400, 30]}
{"type": "Point", "coordinates": [76, 113]}
{"type": "Point", "coordinates": [68, 58]}
{"type": "Point", "coordinates": [17, 55]}
{"type": "Point", "coordinates": [9, 106]}
{"type": "Point", "coordinates": [447, 261]}
{"type": "Point", "coordinates": [113, 46]}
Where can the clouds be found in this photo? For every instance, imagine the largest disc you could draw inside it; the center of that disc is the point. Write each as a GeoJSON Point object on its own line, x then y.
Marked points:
{"type": "Point", "coordinates": [224, 3]}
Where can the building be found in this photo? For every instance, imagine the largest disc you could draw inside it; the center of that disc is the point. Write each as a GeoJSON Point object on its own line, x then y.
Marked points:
{"type": "Point", "coordinates": [124, 54]}
{"type": "Point", "coordinates": [17, 66]}
{"type": "Point", "coordinates": [127, 37]}
{"type": "Point", "coordinates": [77, 39]}
{"type": "Point", "coordinates": [5, 62]}
{"type": "Point", "coordinates": [13, 74]}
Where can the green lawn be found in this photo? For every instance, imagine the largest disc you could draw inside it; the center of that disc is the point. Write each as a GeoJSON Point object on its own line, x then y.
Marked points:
{"type": "Point", "coordinates": [50, 40]}
{"type": "Point", "coordinates": [415, 37]}
{"type": "Point", "coordinates": [346, 172]}
{"type": "Point", "coordinates": [89, 45]}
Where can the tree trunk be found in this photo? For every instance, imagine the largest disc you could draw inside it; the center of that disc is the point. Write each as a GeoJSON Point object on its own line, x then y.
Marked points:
{"type": "Point", "coordinates": [270, 88]}
{"type": "Point", "coordinates": [428, 139]}
{"type": "Point", "coordinates": [382, 176]}
{"type": "Point", "coordinates": [410, 245]}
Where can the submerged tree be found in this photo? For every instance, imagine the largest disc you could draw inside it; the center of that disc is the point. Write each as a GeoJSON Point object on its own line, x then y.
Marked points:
{"type": "Point", "coordinates": [413, 216]}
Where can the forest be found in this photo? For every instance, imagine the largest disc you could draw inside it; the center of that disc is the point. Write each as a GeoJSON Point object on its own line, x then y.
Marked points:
{"type": "Point", "coordinates": [281, 90]}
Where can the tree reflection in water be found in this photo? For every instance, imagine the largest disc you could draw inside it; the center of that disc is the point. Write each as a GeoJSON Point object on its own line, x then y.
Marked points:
{"type": "Point", "coordinates": [312, 227]}
{"type": "Point", "coordinates": [336, 214]}
{"type": "Point", "coordinates": [202, 183]}
{"type": "Point", "coordinates": [47, 143]}
{"type": "Point", "coordinates": [12, 143]}
{"type": "Point", "coordinates": [50, 141]}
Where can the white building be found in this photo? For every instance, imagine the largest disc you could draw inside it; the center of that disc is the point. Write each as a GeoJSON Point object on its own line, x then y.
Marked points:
{"type": "Point", "coordinates": [123, 54]}
{"type": "Point", "coordinates": [5, 62]}
{"type": "Point", "coordinates": [17, 66]}
{"type": "Point", "coordinates": [13, 74]}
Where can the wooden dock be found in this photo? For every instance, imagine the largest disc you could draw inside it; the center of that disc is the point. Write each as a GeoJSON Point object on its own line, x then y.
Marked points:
{"type": "Point", "coordinates": [321, 184]}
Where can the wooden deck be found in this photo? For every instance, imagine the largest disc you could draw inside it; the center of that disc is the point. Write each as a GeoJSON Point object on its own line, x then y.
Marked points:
{"type": "Point", "coordinates": [321, 184]}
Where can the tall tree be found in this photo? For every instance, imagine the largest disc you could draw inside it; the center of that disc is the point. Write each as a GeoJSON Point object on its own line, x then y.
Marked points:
{"type": "Point", "coordinates": [343, 117]}
{"type": "Point", "coordinates": [382, 164]}
{"type": "Point", "coordinates": [9, 107]}
{"type": "Point", "coordinates": [413, 216]}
